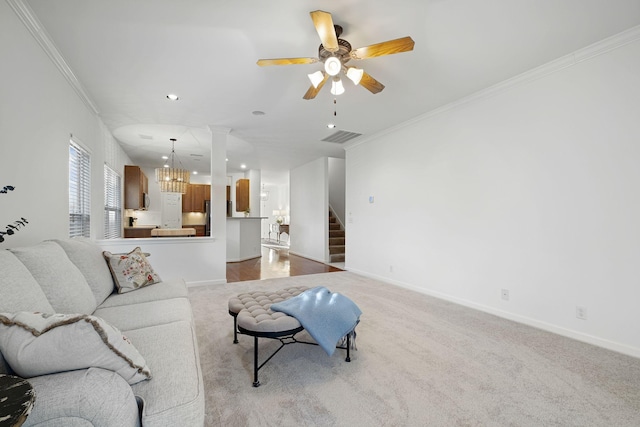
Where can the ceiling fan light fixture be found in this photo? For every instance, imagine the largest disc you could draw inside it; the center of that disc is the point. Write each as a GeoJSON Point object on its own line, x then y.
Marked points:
{"type": "Point", "coordinates": [355, 74]}
{"type": "Point", "coordinates": [332, 66]}
{"type": "Point", "coordinates": [316, 78]}
{"type": "Point", "coordinates": [336, 87]}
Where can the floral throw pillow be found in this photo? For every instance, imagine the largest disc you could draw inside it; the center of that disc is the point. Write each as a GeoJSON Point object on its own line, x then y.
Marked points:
{"type": "Point", "coordinates": [131, 271]}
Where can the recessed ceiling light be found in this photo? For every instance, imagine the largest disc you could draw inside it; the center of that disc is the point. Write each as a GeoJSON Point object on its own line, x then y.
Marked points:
{"type": "Point", "coordinates": [243, 166]}
{"type": "Point", "coordinates": [195, 172]}
{"type": "Point", "coordinates": [165, 157]}
{"type": "Point", "coordinates": [226, 160]}
{"type": "Point", "coordinates": [172, 97]}
{"type": "Point", "coordinates": [331, 125]}
{"type": "Point", "coordinates": [258, 113]}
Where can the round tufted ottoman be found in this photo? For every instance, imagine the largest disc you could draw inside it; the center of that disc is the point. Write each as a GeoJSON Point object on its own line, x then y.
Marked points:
{"type": "Point", "coordinates": [253, 316]}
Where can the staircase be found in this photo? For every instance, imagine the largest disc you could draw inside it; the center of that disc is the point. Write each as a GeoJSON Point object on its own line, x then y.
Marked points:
{"type": "Point", "coordinates": [336, 239]}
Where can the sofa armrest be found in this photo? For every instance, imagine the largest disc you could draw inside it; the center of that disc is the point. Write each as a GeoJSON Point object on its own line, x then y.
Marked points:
{"type": "Point", "coordinates": [87, 397]}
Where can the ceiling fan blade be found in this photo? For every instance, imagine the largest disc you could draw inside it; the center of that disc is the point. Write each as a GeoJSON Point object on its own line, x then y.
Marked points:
{"type": "Point", "coordinates": [390, 47]}
{"type": "Point", "coordinates": [371, 84]}
{"type": "Point", "coordinates": [286, 61]}
{"type": "Point", "coordinates": [313, 91]}
{"type": "Point", "coordinates": [324, 26]}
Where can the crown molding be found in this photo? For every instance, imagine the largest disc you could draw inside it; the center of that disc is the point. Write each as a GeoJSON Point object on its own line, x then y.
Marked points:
{"type": "Point", "coordinates": [28, 18]}
{"type": "Point", "coordinates": [606, 45]}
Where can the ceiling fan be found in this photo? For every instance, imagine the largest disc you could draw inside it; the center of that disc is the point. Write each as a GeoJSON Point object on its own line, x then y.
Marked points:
{"type": "Point", "coordinates": [335, 52]}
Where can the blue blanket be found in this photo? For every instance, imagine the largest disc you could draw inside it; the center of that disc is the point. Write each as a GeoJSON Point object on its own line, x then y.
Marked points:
{"type": "Point", "coordinates": [327, 316]}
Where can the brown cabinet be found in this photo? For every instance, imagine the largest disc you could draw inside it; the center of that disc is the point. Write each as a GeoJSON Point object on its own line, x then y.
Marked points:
{"type": "Point", "coordinates": [136, 232]}
{"type": "Point", "coordinates": [242, 195]}
{"type": "Point", "coordinates": [135, 187]}
{"type": "Point", "coordinates": [193, 199]}
{"type": "Point", "coordinates": [200, 229]}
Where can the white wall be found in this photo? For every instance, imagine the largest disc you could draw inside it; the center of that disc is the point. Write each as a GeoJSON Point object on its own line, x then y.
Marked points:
{"type": "Point", "coordinates": [309, 203]}
{"type": "Point", "coordinates": [254, 191]}
{"type": "Point", "coordinates": [39, 110]}
{"type": "Point", "coordinates": [196, 260]}
{"type": "Point", "coordinates": [533, 189]}
{"type": "Point", "coordinates": [277, 184]}
{"type": "Point", "coordinates": [337, 188]}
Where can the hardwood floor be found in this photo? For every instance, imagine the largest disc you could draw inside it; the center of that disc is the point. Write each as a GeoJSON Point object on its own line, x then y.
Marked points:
{"type": "Point", "coordinates": [274, 263]}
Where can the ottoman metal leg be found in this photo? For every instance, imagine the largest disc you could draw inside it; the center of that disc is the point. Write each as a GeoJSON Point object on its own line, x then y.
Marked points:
{"type": "Point", "coordinates": [256, 383]}
{"type": "Point", "coordinates": [235, 329]}
{"type": "Point", "coordinates": [348, 359]}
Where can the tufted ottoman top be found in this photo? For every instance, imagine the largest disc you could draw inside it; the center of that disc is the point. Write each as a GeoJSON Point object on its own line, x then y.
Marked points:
{"type": "Point", "coordinates": [254, 313]}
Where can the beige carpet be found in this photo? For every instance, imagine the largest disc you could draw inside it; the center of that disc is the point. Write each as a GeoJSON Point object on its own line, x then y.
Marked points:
{"type": "Point", "coordinates": [420, 361]}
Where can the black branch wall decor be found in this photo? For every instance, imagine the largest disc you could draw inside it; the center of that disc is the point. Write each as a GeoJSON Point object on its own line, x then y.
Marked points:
{"type": "Point", "coordinates": [16, 225]}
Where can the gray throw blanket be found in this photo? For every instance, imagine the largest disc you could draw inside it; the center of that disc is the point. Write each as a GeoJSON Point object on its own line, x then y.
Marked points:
{"type": "Point", "coordinates": [328, 317]}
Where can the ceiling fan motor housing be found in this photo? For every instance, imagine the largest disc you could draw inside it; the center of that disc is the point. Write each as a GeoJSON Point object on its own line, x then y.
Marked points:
{"type": "Point", "coordinates": [344, 49]}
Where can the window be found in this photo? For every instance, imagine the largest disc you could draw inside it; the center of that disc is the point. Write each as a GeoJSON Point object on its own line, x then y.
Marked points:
{"type": "Point", "coordinates": [79, 191]}
{"type": "Point", "coordinates": [112, 204]}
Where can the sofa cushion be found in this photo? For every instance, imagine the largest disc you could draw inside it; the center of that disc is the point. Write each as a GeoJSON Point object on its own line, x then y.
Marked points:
{"type": "Point", "coordinates": [39, 344]}
{"type": "Point", "coordinates": [87, 256]}
{"type": "Point", "coordinates": [130, 271]}
{"type": "Point", "coordinates": [19, 291]}
{"type": "Point", "coordinates": [175, 395]}
{"type": "Point", "coordinates": [60, 280]}
{"type": "Point", "coordinates": [169, 289]}
{"type": "Point", "coordinates": [144, 314]}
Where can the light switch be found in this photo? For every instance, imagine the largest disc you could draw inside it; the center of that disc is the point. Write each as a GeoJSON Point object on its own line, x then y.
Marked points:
{"type": "Point", "coordinates": [370, 199]}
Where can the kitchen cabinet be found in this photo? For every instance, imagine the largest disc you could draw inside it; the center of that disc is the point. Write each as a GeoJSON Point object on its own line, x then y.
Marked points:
{"type": "Point", "coordinates": [193, 199]}
{"type": "Point", "coordinates": [135, 187]}
{"type": "Point", "coordinates": [242, 195]}
{"type": "Point", "coordinates": [137, 232]}
{"type": "Point", "coordinates": [200, 229]}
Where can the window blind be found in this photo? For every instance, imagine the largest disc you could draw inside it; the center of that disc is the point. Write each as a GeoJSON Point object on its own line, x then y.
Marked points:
{"type": "Point", "coordinates": [79, 191]}
{"type": "Point", "coordinates": [112, 204]}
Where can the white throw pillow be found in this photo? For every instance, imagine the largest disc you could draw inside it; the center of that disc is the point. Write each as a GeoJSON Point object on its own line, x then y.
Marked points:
{"type": "Point", "coordinates": [38, 344]}
{"type": "Point", "coordinates": [131, 271]}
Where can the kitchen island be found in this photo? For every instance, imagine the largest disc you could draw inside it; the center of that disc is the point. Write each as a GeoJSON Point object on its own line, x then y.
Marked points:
{"type": "Point", "coordinates": [173, 232]}
{"type": "Point", "coordinates": [243, 238]}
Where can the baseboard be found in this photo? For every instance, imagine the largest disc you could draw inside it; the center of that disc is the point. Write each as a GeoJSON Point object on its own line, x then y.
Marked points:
{"type": "Point", "coordinates": [206, 283]}
{"type": "Point", "coordinates": [307, 257]}
{"type": "Point", "coordinates": [244, 259]}
{"type": "Point", "coordinates": [569, 333]}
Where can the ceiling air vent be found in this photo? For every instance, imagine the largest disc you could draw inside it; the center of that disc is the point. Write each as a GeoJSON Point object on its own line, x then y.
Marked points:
{"type": "Point", "coordinates": [341, 137]}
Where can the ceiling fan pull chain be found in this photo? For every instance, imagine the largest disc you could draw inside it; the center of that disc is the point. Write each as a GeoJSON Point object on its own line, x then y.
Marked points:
{"type": "Point", "coordinates": [335, 113]}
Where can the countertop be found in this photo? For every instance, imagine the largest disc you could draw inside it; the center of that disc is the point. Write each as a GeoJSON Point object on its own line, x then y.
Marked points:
{"type": "Point", "coordinates": [169, 232]}
{"type": "Point", "coordinates": [247, 217]}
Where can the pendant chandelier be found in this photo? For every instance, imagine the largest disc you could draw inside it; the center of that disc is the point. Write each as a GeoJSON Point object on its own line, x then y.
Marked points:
{"type": "Point", "coordinates": [170, 178]}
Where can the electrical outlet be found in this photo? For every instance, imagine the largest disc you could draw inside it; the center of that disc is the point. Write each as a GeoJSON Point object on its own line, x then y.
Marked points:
{"type": "Point", "coordinates": [505, 294]}
{"type": "Point", "coordinates": [581, 313]}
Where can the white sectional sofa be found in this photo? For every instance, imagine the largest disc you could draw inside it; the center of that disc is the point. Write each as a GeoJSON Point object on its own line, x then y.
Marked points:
{"type": "Point", "coordinates": [72, 277]}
